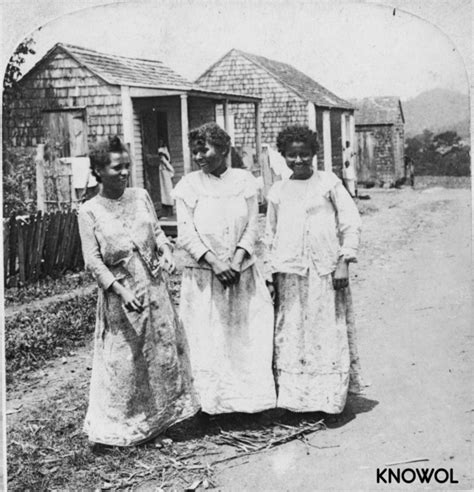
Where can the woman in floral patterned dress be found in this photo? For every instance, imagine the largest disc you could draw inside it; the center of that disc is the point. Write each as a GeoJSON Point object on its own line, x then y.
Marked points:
{"type": "Point", "coordinates": [141, 378]}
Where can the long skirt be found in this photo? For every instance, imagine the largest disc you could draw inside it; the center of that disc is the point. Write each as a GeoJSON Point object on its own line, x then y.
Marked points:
{"type": "Point", "coordinates": [230, 334]}
{"type": "Point", "coordinates": [315, 360]}
{"type": "Point", "coordinates": [141, 377]}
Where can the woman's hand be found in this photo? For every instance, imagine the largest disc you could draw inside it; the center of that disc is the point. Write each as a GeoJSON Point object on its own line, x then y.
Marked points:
{"type": "Point", "coordinates": [224, 272]}
{"type": "Point", "coordinates": [166, 259]}
{"type": "Point", "coordinates": [239, 257]}
{"type": "Point", "coordinates": [129, 300]}
{"type": "Point", "coordinates": [340, 277]}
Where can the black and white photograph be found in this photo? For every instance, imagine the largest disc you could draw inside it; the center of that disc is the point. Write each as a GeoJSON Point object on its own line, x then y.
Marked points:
{"type": "Point", "coordinates": [237, 245]}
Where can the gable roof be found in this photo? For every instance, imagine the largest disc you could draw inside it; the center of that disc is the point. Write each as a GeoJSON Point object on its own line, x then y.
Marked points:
{"type": "Point", "coordinates": [378, 110]}
{"type": "Point", "coordinates": [297, 81]}
{"type": "Point", "coordinates": [121, 70]}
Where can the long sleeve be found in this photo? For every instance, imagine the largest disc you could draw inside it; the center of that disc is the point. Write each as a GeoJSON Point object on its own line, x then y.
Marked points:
{"type": "Point", "coordinates": [160, 236]}
{"type": "Point", "coordinates": [349, 221]}
{"type": "Point", "coordinates": [187, 234]}
{"type": "Point", "coordinates": [250, 235]}
{"type": "Point", "coordinates": [91, 253]}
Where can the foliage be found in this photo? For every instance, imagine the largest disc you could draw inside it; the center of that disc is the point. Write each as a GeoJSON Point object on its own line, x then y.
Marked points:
{"type": "Point", "coordinates": [31, 337]}
{"type": "Point", "coordinates": [19, 181]}
{"type": "Point", "coordinates": [443, 154]}
{"type": "Point", "coordinates": [12, 75]}
{"type": "Point", "coordinates": [13, 71]}
{"type": "Point", "coordinates": [46, 287]}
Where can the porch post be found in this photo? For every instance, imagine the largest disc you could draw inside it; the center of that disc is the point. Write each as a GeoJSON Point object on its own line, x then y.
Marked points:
{"type": "Point", "coordinates": [127, 121]}
{"type": "Point", "coordinates": [344, 137]}
{"type": "Point", "coordinates": [327, 140]}
{"type": "Point", "coordinates": [258, 134]}
{"type": "Point", "coordinates": [227, 128]}
{"type": "Point", "coordinates": [312, 126]}
{"type": "Point", "coordinates": [311, 116]}
{"type": "Point", "coordinates": [226, 116]}
{"type": "Point", "coordinates": [352, 136]}
{"type": "Point", "coordinates": [184, 133]}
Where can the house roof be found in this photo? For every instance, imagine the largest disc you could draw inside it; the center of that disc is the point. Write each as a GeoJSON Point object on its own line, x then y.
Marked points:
{"type": "Point", "coordinates": [121, 70]}
{"type": "Point", "coordinates": [297, 81]}
{"type": "Point", "coordinates": [135, 72]}
{"type": "Point", "coordinates": [378, 110]}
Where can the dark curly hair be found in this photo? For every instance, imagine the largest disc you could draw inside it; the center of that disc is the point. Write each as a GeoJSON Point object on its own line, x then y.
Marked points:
{"type": "Point", "coordinates": [213, 134]}
{"type": "Point", "coordinates": [297, 133]}
{"type": "Point", "coordinates": [99, 154]}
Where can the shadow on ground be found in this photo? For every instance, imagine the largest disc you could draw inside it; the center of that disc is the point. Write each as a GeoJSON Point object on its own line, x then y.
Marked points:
{"type": "Point", "coordinates": [203, 425]}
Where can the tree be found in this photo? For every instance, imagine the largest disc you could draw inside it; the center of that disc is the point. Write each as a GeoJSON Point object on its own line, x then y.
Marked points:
{"type": "Point", "coordinates": [446, 139]}
{"type": "Point", "coordinates": [13, 70]}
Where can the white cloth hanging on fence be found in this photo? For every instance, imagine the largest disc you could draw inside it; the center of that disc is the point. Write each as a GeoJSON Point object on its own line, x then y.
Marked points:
{"type": "Point", "coordinates": [81, 174]}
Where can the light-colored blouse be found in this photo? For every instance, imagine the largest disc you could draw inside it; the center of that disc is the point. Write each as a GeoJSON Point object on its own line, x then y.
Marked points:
{"type": "Point", "coordinates": [312, 221]}
{"type": "Point", "coordinates": [217, 214]}
{"type": "Point", "coordinates": [113, 229]}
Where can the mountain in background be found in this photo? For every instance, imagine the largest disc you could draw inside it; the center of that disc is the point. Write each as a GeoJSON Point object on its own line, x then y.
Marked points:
{"type": "Point", "coordinates": [437, 110]}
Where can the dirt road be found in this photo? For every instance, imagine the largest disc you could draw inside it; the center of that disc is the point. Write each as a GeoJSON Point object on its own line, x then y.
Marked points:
{"type": "Point", "coordinates": [413, 301]}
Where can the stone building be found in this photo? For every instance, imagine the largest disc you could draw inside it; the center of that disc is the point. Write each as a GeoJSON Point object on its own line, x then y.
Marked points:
{"type": "Point", "coordinates": [288, 97]}
{"type": "Point", "coordinates": [74, 96]}
{"type": "Point", "coordinates": [379, 125]}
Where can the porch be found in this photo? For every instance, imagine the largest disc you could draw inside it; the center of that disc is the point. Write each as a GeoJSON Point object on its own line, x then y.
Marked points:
{"type": "Point", "coordinates": [153, 114]}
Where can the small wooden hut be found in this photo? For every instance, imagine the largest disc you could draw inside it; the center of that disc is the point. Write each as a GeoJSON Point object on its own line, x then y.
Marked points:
{"type": "Point", "coordinates": [288, 97]}
{"type": "Point", "coordinates": [380, 131]}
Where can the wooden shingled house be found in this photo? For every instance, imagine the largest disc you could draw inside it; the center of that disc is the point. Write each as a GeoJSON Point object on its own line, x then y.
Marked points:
{"type": "Point", "coordinates": [380, 131]}
{"type": "Point", "coordinates": [288, 97]}
{"type": "Point", "coordinates": [76, 95]}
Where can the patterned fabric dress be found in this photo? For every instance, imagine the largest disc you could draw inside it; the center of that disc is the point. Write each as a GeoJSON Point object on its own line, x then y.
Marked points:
{"type": "Point", "coordinates": [310, 224]}
{"type": "Point", "coordinates": [141, 378]}
{"type": "Point", "coordinates": [230, 331]}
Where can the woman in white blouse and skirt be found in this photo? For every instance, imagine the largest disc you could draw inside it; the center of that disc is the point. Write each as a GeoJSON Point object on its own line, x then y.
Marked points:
{"type": "Point", "coordinates": [312, 234]}
{"type": "Point", "coordinates": [225, 306]}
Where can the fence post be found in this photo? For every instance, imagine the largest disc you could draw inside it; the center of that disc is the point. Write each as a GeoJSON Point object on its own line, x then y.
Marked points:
{"type": "Point", "coordinates": [40, 187]}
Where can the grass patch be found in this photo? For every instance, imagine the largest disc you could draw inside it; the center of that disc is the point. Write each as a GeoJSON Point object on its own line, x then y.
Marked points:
{"type": "Point", "coordinates": [46, 288]}
{"type": "Point", "coordinates": [48, 451]}
{"type": "Point", "coordinates": [33, 337]}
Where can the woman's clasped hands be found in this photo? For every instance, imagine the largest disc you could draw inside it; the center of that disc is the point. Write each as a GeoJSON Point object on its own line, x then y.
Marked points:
{"type": "Point", "coordinates": [227, 272]}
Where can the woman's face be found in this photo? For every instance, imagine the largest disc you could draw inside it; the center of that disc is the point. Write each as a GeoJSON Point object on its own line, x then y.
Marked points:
{"type": "Point", "coordinates": [114, 176]}
{"type": "Point", "coordinates": [299, 158]}
{"type": "Point", "coordinates": [208, 157]}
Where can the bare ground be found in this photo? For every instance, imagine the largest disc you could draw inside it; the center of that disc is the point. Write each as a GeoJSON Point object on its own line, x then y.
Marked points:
{"type": "Point", "coordinates": [412, 289]}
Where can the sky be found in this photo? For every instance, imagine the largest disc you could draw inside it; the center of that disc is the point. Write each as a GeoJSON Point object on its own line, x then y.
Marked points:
{"type": "Point", "coordinates": [355, 49]}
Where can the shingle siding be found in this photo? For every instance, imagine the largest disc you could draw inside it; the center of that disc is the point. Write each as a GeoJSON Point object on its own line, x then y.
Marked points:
{"type": "Point", "coordinates": [52, 86]}
{"type": "Point", "coordinates": [380, 131]}
{"type": "Point", "coordinates": [280, 106]}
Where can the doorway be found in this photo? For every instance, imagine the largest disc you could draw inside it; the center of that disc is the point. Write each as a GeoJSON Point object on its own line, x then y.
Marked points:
{"type": "Point", "coordinates": [154, 126]}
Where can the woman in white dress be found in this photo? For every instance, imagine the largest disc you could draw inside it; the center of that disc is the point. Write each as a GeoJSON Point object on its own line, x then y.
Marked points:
{"type": "Point", "coordinates": [225, 306]}
{"type": "Point", "coordinates": [312, 234]}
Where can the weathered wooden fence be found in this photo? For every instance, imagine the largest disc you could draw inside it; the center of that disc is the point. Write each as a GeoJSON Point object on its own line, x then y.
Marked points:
{"type": "Point", "coordinates": [39, 245]}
